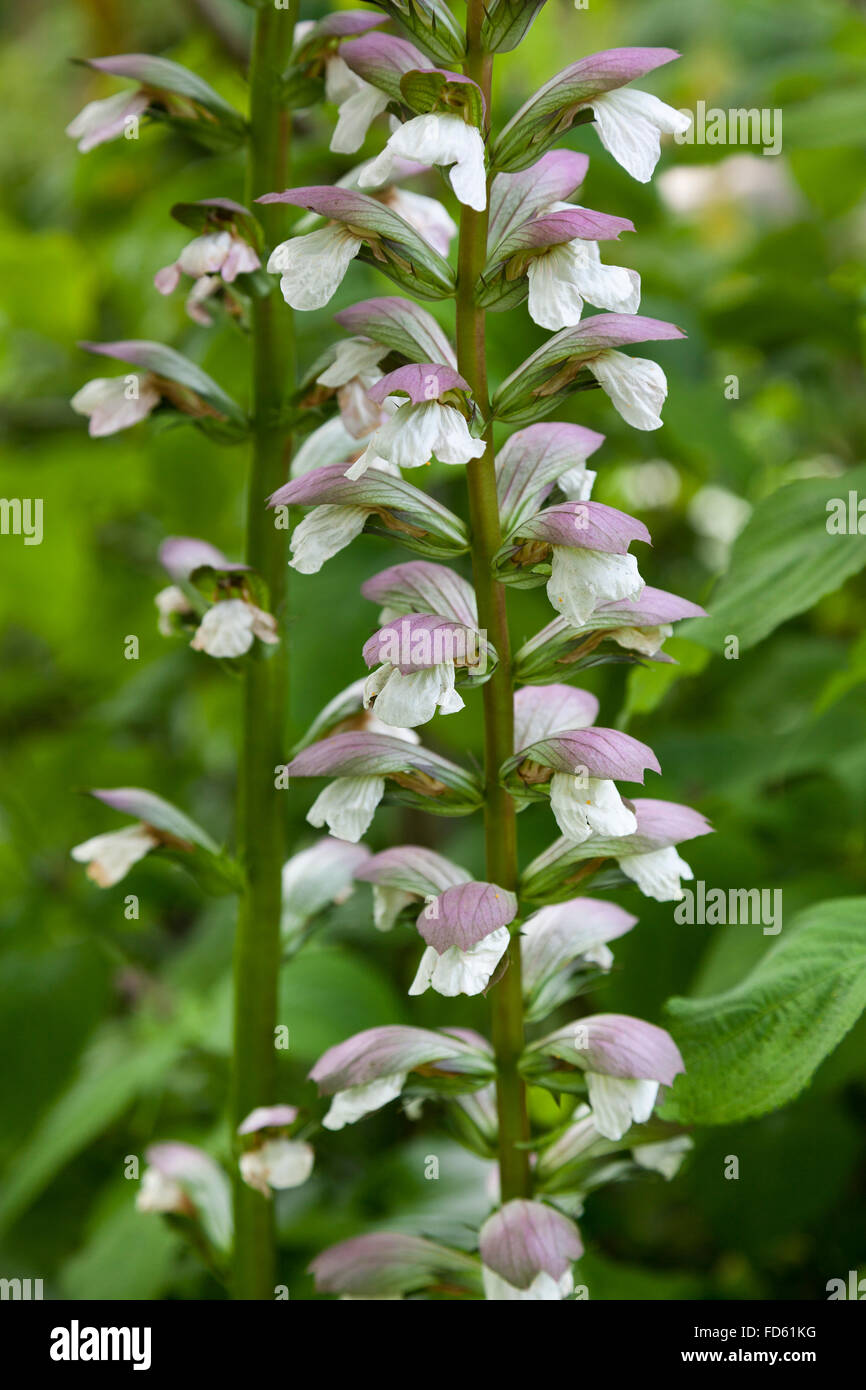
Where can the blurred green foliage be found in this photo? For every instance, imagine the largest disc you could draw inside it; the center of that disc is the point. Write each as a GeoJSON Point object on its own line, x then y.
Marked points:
{"type": "Point", "coordinates": [115, 1032]}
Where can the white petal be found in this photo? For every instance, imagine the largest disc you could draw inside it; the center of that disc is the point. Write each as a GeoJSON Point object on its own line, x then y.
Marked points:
{"type": "Point", "coordinates": [612, 287]}
{"type": "Point", "coordinates": [582, 579]}
{"type": "Point", "coordinates": [617, 1101]}
{"type": "Point", "coordinates": [436, 139]}
{"type": "Point", "coordinates": [159, 1194]}
{"type": "Point", "coordinates": [427, 216]}
{"type": "Point", "coordinates": [629, 124]}
{"type": "Point", "coordinates": [105, 120]}
{"type": "Point", "coordinates": [543, 1287]}
{"type": "Point", "coordinates": [555, 300]}
{"type": "Point", "coordinates": [637, 386]}
{"type": "Point", "coordinates": [312, 266]}
{"type": "Point", "coordinates": [347, 806]}
{"type": "Point", "coordinates": [409, 700]}
{"type": "Point", "coordinates": [226, 630]}
{"type": "Point", "coordinates": [278, 1164]}
{"type": "Point", "coordinates": [354, 357]}
{"type": "Point", "coordinates": [356, 115]}
{"type": "Point", "coordinates": [205, 255]}
{"type": "Point", "coordinates": [582, 805]}
{"type": "Point", "coordinates": [657, 874]}
{"type": "Point", "coordinates": [110, 857]}
{"type": "Point", "coordinates": [454, 443]}
{"type": "Point", "coordinates": [646, 640]}
{"type": "Point", "coordinates": [351, 1105]}
{"type": "Point", "coordinates": [665, 1157]}
{"type": "Point", "coordinates": [576, 483]}
{"type": "Point", "coordinates": [168, 601]}
{"type": "Point", "coordinates": [360, 414]}
{"type": "Point", "coordinates": [115, 403]}
{"type": "Point", "coordinates": [323, 532]}
{"type": "Point", "coordinates": [407, 440]}
{"type": "Point", "coordinates": [461, 972]}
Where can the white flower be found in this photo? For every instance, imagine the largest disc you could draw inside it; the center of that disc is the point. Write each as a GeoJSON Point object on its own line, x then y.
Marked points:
{"type": "Point", "coordinates": [563, 276]}
{"type": "Point", "coordinates": [352, 1104]}
{"type": "Point", "coordinates": [646, 640]}
{"type": "Point", "coordinates": [461, 972]}
{"type": "Point", "coordinates": [630, 124]}
{"type": "Point", "coordinates": [159, 1194]}
{"type": "Point", "coordinates": [347, 806]}
{"type": "Point", "coordinates": [582, 579]}
{"type": "Point", "coordinates": [204, 287]}
{"type": "Point", "coordinates": [637, 386]}
{"type": "Point", "coordinates": [359, 104]}
{"type": "Point", "coordinates": [435, 139]}
{"type": "Point", "coordinates": [665, 1157]}
{"type": "Point", "coordinates": [169, 601]}
{"type": "Point", "coordinates": [214, 253]}
{"type": "Point", "coordinates": [617, 1101]}
{"type": "Point", "coordinates": [582, 805]}
{"type": "Point", "coordinates": [543, 1287]}
{"type": "Point", "coordinates": [277, 1164]}
{"type": "Point", "coordinates": [230, 627]}
{"type": "Point", "coordinates": [324, 531]}
{"type": "Point", "coordinates": [416, 432]}
{"type": "Point", "coordinates": [105, 120]}
{"type": "Point", "coordinates": [115, 403]}
{"type": "Point", "coordinates": [355, 357]}
{"type": "Point", "coordinates": [657, 873]}
{"type": "Point", "coordinates": [312, 267]}
{"type": "Point", "coordinates": [577, 483]}
{"type": "Point", "coordinates": [110, 857]}
{"type": "Point", "coordinates": [426, 215]}
{"type": "Point", "coordinates": [411, 699]}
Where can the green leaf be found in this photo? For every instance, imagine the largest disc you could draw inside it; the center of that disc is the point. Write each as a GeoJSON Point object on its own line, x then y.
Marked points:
{"type": "Point", "coordinates": [427, 91]}
{"type": "Point", "coordinates": [783, 561]}
{"type": "Point", "coordinates": [506, 22]}
{"type": "Point", "coordinates": [648, 683]}
{"type": "Point", "coordinates": [432, 25]}
{"type": "Point", "coordinates": [755, 1047]}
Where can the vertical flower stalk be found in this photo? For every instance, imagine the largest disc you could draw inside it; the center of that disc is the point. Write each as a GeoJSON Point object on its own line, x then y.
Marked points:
{"type": "Point", "coordinates": [260, 810]}
{"type": "Point", "coordinates": [500, 821]}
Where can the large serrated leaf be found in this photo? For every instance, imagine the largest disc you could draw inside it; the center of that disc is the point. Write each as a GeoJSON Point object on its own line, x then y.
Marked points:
{"type": "Point", "coordinates": [755, 1047]}
{"type": "Point", "coordinates": [782, 562]}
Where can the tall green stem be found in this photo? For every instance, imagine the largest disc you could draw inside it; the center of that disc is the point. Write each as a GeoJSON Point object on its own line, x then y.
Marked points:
{"type": "Point", "coordinates": [260, 811]}
{"type": "Point", "coordinates": [499, 809]}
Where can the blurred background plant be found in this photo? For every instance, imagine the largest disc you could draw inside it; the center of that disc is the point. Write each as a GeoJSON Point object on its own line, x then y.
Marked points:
{"type": "Point", "coordinates": [116, 1029]}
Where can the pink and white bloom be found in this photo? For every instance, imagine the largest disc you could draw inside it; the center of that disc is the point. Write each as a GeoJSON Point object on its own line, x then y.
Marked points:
{"type": "Point", "coordinates": [585, 805]}
{"type": "Point", "coordinates": [420, 654]}
{"type": "Point", "coordinates": [370, 1069]}
{"type": "Point", "coordinates": [275, 1161]}
{"type": "Point", "coordinates": [108, 119]}
{"type": "Point", "coordinates": [569, 272]}
{"type": "Point", "coordinates": [446, 140]}
{"type": "Point", "coordinates": [116, 403]}
{"type": "Point", "coordinates": [229, 628]}
{"type": "Point", "coordinates": [466, 928]}
{"type": "Point", "coordinates": [315, 878]}
{"type": "Point", "coordinates": [625, 1061]}
{"type": "Point", "coordinates": [405, 875]}
{"type": "Point", "coordinates": [212, 260]}
{"type": "Point", "coordinates": [527, 1252]}
{"type": "Point", "coordinates": [427, 425]}
{"type": "Point", "coordinates": [183, 1180]}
